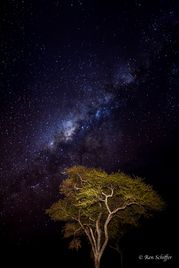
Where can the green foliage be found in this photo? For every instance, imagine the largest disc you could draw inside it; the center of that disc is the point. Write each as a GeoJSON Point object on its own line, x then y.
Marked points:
{"type": "Point", "coordinates": [83, 200]}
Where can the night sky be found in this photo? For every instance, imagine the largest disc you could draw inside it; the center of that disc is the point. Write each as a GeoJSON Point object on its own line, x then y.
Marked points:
{"type": "Point", "coordinates": [91, 83]}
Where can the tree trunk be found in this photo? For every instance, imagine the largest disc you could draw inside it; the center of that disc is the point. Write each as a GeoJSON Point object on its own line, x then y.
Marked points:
{"type": "Point", "coordinates": [97, 262]}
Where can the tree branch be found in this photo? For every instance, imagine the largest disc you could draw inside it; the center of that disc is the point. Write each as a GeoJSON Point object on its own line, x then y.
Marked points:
{"type": "Point", "coordinates": [81, 179]}
{"type": "Point", "coordinates": [109, 195]}
{"type": "Point", "coordinates": [98, 230]}
{"type": "Point", "coordinates": [91, 219]}
{"type": "Point", "coordinates": [90, 240]}
{"type": "Point", "coordinates": [123, 207]}
{"type": "Point", "coordinates": [93, 238]}
{"type": "Point", "coordinates": [106, 199]}
{"type": "Point", "coordinates": [109, 218]}
{"type": "Point", "coordinates": [77, 188]}
{"type": "Point", "coordinates": [106, 234]}
{"type": "Point", "coordinates": [87, 233]}
{"type": "Point", "coordinates": [116, 248]}
{"type": "Point", "coordinates": [77, 230]}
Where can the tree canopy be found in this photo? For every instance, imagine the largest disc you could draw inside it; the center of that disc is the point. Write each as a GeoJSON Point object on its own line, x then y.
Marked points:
{"type": "Point", "coordinates": [100, 205]}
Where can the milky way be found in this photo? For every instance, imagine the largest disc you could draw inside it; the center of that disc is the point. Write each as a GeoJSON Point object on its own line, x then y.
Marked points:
{"type": "Point", "coordinates": [82, 83]}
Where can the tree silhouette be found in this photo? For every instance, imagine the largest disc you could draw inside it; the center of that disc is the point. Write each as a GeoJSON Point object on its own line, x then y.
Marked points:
{"type": "Point", "coordinates": [101, 206]}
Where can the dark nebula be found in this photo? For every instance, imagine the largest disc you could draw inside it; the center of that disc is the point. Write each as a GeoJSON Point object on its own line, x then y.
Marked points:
{"type": "Point", "coordinates": [91, 83]}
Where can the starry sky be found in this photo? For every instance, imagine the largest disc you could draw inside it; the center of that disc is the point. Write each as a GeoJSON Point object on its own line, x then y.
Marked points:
{"type": "Point", "coordinates": [84, 82]}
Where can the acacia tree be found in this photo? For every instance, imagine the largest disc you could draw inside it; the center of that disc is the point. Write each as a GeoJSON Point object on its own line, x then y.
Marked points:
{"type": "Point", "coordinates": [100, 205]}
